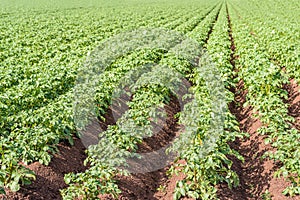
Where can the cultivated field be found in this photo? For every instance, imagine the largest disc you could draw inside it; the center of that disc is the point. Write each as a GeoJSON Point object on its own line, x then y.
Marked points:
{"type": "Point", "coordinates": [217, 82]}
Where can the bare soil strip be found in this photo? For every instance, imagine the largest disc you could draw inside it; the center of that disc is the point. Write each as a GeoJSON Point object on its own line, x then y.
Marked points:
{"type": "Point", "coordinates": [294, 102]}
{"type": "Point", "coordinates": [256, 173]}
{"type": "Point", "coordinates": [212, 25]}
{"type": "Point", "coordinates": [169, 184]}
{"type": "Point", "coordinates": [70, 159]}
{"type": "Point", "coordinates": [141, 186]}
{"type": "Point", "coordinates": [50, 179]}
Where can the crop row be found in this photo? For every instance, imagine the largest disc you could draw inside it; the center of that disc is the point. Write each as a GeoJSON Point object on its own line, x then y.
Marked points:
{"type": "Point", "coordinates": [196, 166]}
{"type": "Point", "coordinates": [264, 80]}
{"type": "Point", "coordinates": [205, 168]}
{"type": "Point", "coordinates": [38, 73]}
{"type": "Point", "coordinates": [282, 43]}
{"type": "Point", "coordinates": [36, 104]}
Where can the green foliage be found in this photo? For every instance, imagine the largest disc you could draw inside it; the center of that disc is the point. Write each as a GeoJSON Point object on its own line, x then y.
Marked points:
{"type": "Point", "coordinates": [12, 175]}
{"type": "Point", "coordinates": [264, 79]}
{"type": "Point", "coordinates": [39, 65]}
{"type": "Point", "coordinates": [43, 46]}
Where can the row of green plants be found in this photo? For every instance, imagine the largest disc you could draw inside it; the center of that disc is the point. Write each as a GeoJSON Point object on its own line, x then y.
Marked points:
{"type": "Point", "coordinates": [283, 41]}
{"type": "Point", "coordinates": [137, 117]}
{"type": "Point", "coordinates": [195, 20]}
{"type": "Point", "coordinates": [41, 51]}
{"type": "Point", "coordinates": [204, 168]}
{"type": "Point", "coordinates": [38, 73]}
{"type": "Point", "coordinates": [201, 32]}
{"type": "Point", "coordinates": [62, 48]}
{"type": "Point", "coordinates": [264, 80]}
{"type": "Point", "coordinates": [37, 76]}
{"type": "Point", "coordinates": [119, 140]}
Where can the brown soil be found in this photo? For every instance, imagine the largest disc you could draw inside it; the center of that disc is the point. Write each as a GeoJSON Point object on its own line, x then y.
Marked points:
{"type": "Point", "coordinates": [50, 179]}
{"type": "Point", "coordinates": [144, 186]}
{"type": "Point", "coordinates": [169, 186]}
{"type": "Point", "coordinates": [256, 173]}
{"type": "Point", "coordinates": [294, 101]}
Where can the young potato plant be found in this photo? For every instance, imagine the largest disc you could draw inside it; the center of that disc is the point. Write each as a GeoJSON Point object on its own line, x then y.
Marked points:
{"type": "Point", "coordinates": [12, 175]}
